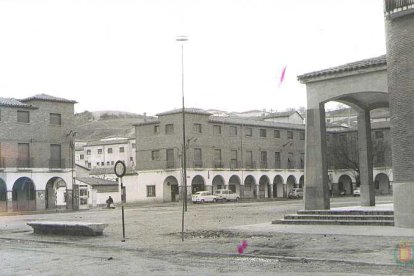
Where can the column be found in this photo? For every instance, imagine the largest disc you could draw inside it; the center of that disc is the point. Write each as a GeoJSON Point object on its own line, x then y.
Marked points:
{"type": "Point", "coordinates": [365, 159]}
{"type": "Point", "coordinates": [9, 201]}
{"type": "Point", "coordinates": [270, 190]}
{"type": "Point", "coordinates": [316, 194]}
{"type": "Point", "coordinates": [241, 191]}
{"type": "Point", "coordinates": [400, 70]}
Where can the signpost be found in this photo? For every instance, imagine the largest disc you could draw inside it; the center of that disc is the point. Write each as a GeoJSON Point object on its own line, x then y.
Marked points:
{"type": "Point", "coordinates": [120, 170]}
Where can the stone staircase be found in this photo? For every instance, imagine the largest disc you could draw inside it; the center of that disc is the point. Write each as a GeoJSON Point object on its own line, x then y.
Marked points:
{"type": "Point", "coordinates": [340, 217]}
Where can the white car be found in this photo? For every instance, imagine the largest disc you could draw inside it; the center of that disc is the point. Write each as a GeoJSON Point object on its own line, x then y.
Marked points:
{"type": "Point", "coordinates": [226, 195]}
{"type": "Point", "coordinates": [295, 193]}
{"type": "Point", "coordinates": [357, 192]}
{"type": "Point", "coordinates": [203, 196]}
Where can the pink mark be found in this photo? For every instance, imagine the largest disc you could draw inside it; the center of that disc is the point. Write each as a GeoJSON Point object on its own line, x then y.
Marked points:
{"type": "Point", "coordinates": [282, 76]}
{"type": "Point", "coordinates": [242, 246]}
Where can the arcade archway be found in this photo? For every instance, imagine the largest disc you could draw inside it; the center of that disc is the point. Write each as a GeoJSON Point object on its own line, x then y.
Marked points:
{"type": "Point", "coordinates": [197, 184]}
{"type": "Point", "coordinates": [171, 191]}
{"type": "Point", "coordinates": [24, 195]}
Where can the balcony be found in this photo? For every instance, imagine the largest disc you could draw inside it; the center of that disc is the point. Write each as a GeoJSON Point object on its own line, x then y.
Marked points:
{"type": "Point", "coordinates": [218, 164]}
{"type": "Point", "coordinates": [24, 163]}
{"type": "Point", "coordinates": [198, 164]}
{"type": "Point", "coordinates": [396, 8]}
{"type": "Point", "coordinates": [250, 165]}
{"type": "Point", "coordinates": [263, 165]}
{"type": "Point", "coordinates": [234, 164]}
{"type": "Point", "coordinates": [170, 164]}
{"type": "Point", "coordinates": [56, 164]}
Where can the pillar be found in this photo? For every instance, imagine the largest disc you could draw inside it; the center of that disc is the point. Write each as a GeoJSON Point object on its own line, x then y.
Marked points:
{"type": "Point", "coordinates": [241, 191]}
{"type": "Point", "coordinates": [270, 190]}
{"type": "Point", "coordinates": [316, 194]}
{"type": "Point", "coordinates": [365, 159]}
{"type": "Point", "coordinates": [400, 70]}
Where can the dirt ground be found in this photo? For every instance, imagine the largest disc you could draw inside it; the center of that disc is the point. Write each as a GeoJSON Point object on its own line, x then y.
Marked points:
{"type": "Point", "coordinates": [153, 244]}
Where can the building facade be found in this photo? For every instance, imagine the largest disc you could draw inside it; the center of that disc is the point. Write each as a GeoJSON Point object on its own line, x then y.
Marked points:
{"type": "Point", "coordinates": [254, 158]}
{"type": "Point", "coordinates": [36, 153]}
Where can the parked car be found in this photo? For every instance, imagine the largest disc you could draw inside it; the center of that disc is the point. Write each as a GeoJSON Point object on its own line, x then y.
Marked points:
{"type": "Point", "coordinates": [357, 192]}
{"type": "Point", "coordinates": [226, 195]}
{"type": "Point", "coordinates": [203, 196]}
{"type": "Point", "coordinates": [295, 193]}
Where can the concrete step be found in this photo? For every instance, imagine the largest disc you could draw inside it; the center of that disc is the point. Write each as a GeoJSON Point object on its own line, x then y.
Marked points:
{"type": "Point", "coordinates": [340, 217]}
{"type": "Point", "coordinates": [346, 212]}
{"type": "Point", "coordinates": [335, 222]}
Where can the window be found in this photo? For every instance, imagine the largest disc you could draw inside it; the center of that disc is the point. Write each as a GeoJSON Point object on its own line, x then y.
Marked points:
{"type": "Point", "coordinates": [233, 159]}
{"type": "Point", "coordinates": [23, 155]}
{"type": "Point", "coordinates": [277, 160]}
{"type": "Point", "coordinates": [55, 156]}
{"type": "Point", "coordinates": [151, 191]}
{"type": "Point", "coordinates": [169, 129]}
{"type": "Point", "coordinates": [155, 155]}
{"type": "Point", "coordinates": [112, 162]}
{"type": "Point", "coordinates": [102, 163]}
{"type": "Point", "coordinates": [263, 132]}
{"type": "Point", "coordinates": [109, 150]}
{"type": "Point", "coordinates": [302, 135]}
{"type": "Point", "coordinates": [263, 159]}
{"type": "Point", "coordinates": [108, 163]}
{"type": "Point", "coordinates": [233, 131]}
{"type": "Point", "coordinates": [99, 151]}
{"type": "Point", "coordinates": [197, 158]}
{"type": "Point", "coordinates": [291, 161]}
{"type": "Point", "coordinates": [276, 133]}
{"type": "Point", "coordinates": [55, 119]}
{"type": "Point", "coordinates": [81, 157]}
{"type": "Point", "coordinates": [121, 149]}
{"type": "Point", "coordinates": [217, 158]}
{"type": "Point", "coordinates": [302, 160]}
{"type": "Point", "coordinates": [131, 159]}
{"type": "Point", "coordinates": [170, 158]}
{"type": "Point", "coordinates": [157, 129]}
{"type": "Point", "coordinates": [290, 134]}
{"type": "Point", "coordinates": [88, 152]}
{"type": "Point", "coordinates": [379, 134]}
{"type": "Point", "coordinates": [249, 131]}
{"type": "Point", "coordinates": [97, 163]}
{"type": "Point", "coordinates": [23, 116]}
{"type": "Point", "coordinates": [89, 165]}
{"type": "Point", "coordinates": [249, 159]}
{"type": "Point", "coordinates": [217, 130]}
{"type": "Point", "coordinates": [197, 128]}
{"type": "Point", "coordinates": [134, 146]}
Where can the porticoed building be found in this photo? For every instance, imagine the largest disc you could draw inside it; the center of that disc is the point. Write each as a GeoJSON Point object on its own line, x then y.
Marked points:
{"type": "Point", "coordinates": [36, 149]}
{"type": "Point", "coordinates": [252, 157]}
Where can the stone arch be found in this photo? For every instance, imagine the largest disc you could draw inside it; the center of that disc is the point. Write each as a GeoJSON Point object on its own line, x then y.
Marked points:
{"type": "Point", "coordinates": [3, 196]}
{"type": "Point", "coordinates": [217, 183]}
{"type": "Point", "coordinates": [250, 187]}
{"type": "Point", "coordinates": [344, 185]}
{"type": "Point", "coordinates": [302, 181]}
{"type": "Point", "coordinates": [197, 184]}
{"type": "Point", "coordinates": [290, 182]}
{"type": "Point", "coordinates": [264, 186]}
{"type": "Point", "coordinates": [171, 191]}
{"type": "Point", "coordinates": [24, 195]}
{"type": "Point", "coordinates": [382, 184]}
{"type": "Point", "coordinates": [234, 185]}
{"type": "Point", "coordinates": [278, 187]}
{"type": "Point", "coordinates": [55, 193]}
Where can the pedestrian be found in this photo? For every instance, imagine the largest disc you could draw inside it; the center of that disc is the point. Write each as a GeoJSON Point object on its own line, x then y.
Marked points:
{"type": "Point", "coordinates": [109, 202]}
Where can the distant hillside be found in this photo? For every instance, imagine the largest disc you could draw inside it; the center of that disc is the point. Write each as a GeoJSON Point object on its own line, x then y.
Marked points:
{"type": "Point", "coordinates": [97, 125]}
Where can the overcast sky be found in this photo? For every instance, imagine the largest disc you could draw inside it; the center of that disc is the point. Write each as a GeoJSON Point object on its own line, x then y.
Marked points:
{"type": "Point", "coordinates": [122, 54]}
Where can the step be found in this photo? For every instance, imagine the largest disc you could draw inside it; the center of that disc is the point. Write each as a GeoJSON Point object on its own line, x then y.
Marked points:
{"type": "Point", "coordinates": [347, 212]}
{"type": "Point", "coordinates": [338, 217]}
{"type": "Point", "coordinates": [335, 222]}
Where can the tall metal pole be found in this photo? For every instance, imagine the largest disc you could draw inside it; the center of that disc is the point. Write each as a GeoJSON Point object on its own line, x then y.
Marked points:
{"type": "Point", "coordinates": [182, 39]}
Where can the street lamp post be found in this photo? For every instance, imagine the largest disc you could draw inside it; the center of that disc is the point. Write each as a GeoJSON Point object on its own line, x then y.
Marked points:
{"type": "Point", "coordinates": [183, 39]}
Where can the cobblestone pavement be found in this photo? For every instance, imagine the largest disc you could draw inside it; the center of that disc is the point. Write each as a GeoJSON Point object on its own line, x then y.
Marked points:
{"type": "Point", "coordinates": [153, 244]}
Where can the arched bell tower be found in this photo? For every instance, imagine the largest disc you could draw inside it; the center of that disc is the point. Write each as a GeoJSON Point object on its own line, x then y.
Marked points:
{"type": "Point", "coordinates": [399, 22]}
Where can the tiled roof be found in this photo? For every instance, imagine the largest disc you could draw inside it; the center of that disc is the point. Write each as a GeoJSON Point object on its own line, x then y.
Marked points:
{"type": "Point", "coordinates": [45, 97]}
{"type": "Point", "coordinates": [187, 110]}
{"type": "Point", "coordinates": [110, 170]}
{"type": "Point", "coordinates": [94, 181]}
{"type": "Point", "coordinates": [361, 64]}
{"type": "Point", "coordinates": [247, 122]}
{"type": "Point", "coordinates": [149, 122]}
{"type": "Point", "coordinates": [109, 142]}
{"type": "Point", "coordinates": [281, 114]}
{"type": "Point", "coordinates": [10, 102]}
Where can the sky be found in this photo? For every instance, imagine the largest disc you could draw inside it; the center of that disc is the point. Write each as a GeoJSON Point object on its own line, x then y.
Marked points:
{"type": "Point", "coordinates": [123, 55]}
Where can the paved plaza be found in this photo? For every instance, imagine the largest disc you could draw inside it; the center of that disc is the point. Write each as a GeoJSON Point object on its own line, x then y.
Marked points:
{"type": "Point", "coordinates": [213, 233]}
